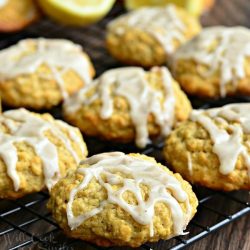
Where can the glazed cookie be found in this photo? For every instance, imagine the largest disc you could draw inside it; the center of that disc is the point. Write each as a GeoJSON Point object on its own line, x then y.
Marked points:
{"type": "Point", "coordinates": [216, 63]}
{"type": "Point", "coordinates": [40, 73]}
{"type": "Point", "coordinates": [212, 148]}
{"type": "Point", "coordinates": [122, 200]}
{"type": "Point", "coordinates": [128, 104]}
{"type": "Point", "coordinates": [148, 36]}
{"type": "Point", "coordinates": [16, 15]}
{"type": "Point", "coordinates": [35, 151]}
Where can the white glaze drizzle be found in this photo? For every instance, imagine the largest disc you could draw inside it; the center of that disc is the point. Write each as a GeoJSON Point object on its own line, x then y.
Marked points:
{"type": "Point", "coordinates": [162, 22]}
{"type": "Point", "coordinates": [162, 188]}
{"type": "Point", "coordinates": [228, 56]}
{"type": "Point", "coordinates": [58, 54]}
{"type": "Point", "coordinates": [3, 3]}
{"type": "Point", "coordinates": [228, 144]}
{"type": "Point", "coordinates": [28, 128]}
{"type": "Point", "coordinates": [131, 83]}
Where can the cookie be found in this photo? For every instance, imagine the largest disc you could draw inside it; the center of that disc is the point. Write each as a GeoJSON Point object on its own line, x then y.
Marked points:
{"type": "Point", "coordinates": [122, 200]}
{"type": "Point", "coordinates": [216, 63]}
{"type": "Point", "coordinates": [16, 15]}
{"type": "Point", "coordinates": [40, 73]}
{"type": "Point", "coordinates": [35, 152]}
{"type": "Point", "coordinates": [148, 36]}
{"type": "Point", "coordinates": [128, 104]}
{"type": "Point", "coordinates": [212, 148]}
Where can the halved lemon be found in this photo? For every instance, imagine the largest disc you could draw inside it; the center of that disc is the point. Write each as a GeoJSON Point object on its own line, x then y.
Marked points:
{"type": "Point", "coordinates": [76, 12]}
{"type": "Point", "coordinates": [194, 7]}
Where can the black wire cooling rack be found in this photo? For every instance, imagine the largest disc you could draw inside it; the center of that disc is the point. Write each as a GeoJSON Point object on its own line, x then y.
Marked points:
{"type": "Point", "coordinates": [26, 223]}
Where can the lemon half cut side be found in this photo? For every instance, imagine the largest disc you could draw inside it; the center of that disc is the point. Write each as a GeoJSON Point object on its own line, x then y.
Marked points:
{"type": "Point", "coordinates": [76, 12]}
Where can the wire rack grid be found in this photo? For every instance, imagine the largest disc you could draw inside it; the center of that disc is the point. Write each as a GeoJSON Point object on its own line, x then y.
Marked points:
{"type": "Point", "coordinates": [27, 224]}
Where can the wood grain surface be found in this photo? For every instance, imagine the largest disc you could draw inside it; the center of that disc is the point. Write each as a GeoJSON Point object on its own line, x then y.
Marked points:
{"type": "Point", "coordinates": [235, 236]}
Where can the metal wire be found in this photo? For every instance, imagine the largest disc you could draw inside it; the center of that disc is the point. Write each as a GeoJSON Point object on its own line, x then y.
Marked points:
{"type": "Point", "coordinates": [26, 223]}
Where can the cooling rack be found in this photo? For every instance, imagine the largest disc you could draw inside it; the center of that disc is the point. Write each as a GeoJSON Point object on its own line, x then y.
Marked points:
{"type": "Point", "coordinates": [27, 224]}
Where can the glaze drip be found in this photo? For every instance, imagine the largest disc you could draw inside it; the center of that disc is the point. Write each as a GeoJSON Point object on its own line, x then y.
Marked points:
{"type": "Point", "coordinates": [228, 143]}
{"type": "Point", "coordinates": [113, 167]}
{"type": "Point", "coordinates": [161, 22]}
{"type": "Point", "coordinates": [220, 48]}
{"type": "Point", "coordinates": [25, 127]}
{"type": "Point", "coordinates": [58, 54]}
{"type": "Point", "coordinates": [131, 83]}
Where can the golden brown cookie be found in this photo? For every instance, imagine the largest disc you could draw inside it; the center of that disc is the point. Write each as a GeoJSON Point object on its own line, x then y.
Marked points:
{"type": "Point", "coordinates": [128, 104]}
{"type": "Point", "coordinates": [35, 152]}
{"type": "Point", "coordinates": [216, 63]}
{"type": "Point", "coordinates": [212, 148]}
{"type": "Point", "coordinates": [17, 14]}
{"type": "Point", "coordinates": [148, 36]}
{"type": "Point", "coordinates": [40, 73]}
{"type": "Point", "coordinates": [122, 200]}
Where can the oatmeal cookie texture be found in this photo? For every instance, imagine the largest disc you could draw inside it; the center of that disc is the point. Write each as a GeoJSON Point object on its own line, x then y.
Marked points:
{"type": "Point", "coordinates": [212, 148]}
{"type": "Point", "coordinates": [35, 151]}
{"type": "Point", "coordinates": [16, 15]}
{"type": "Point", "coordinates": [215, 63]}
{"type": "Point", "coordinates": [40, 73]}
{"type": "Point", "coordinates": [122, 200]}
{"type": "Point", "coordinates": [128, 104]}
{"type": "Point", "coordinates": [148, 36]}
